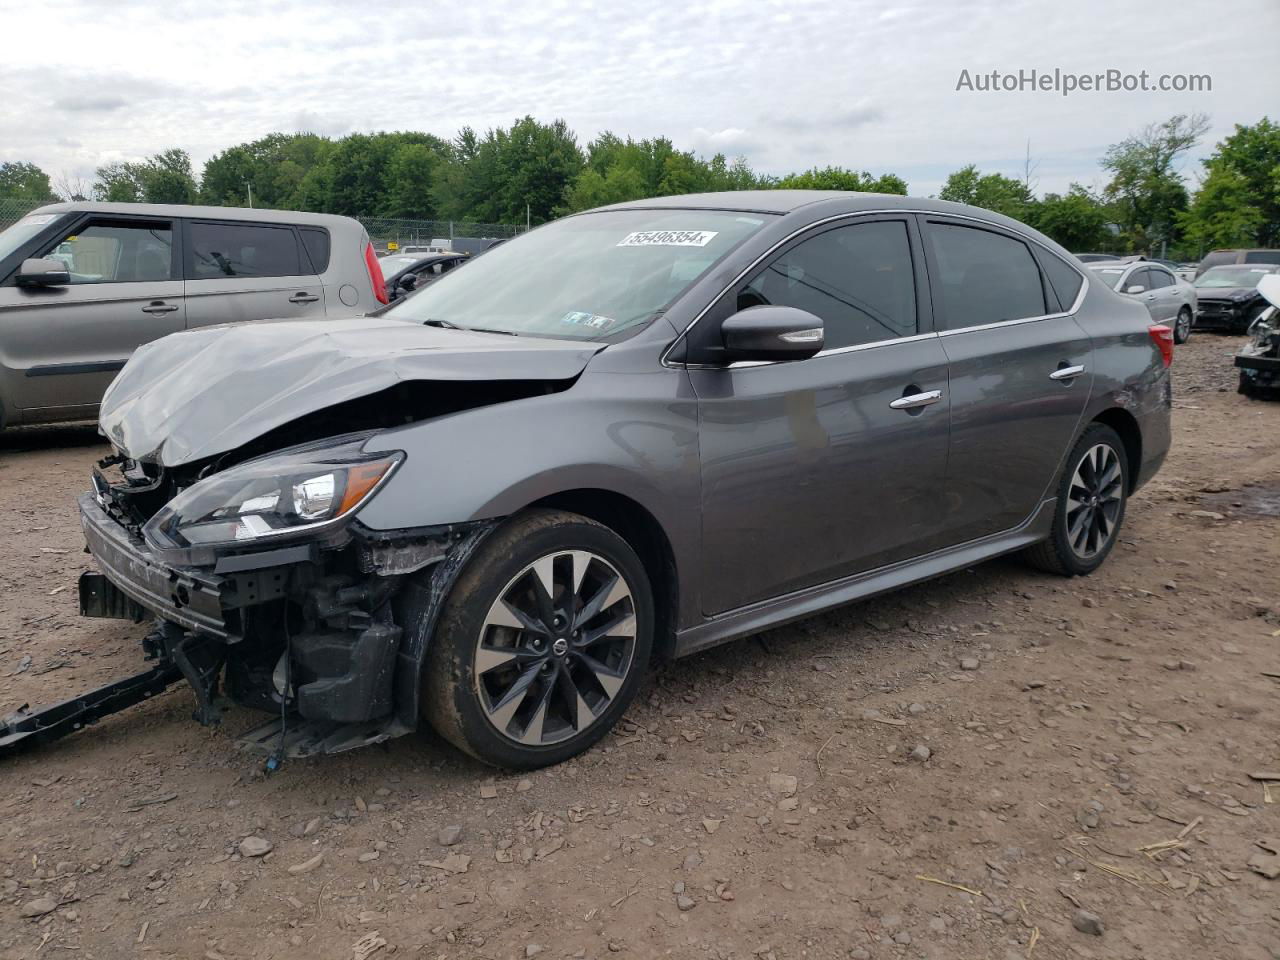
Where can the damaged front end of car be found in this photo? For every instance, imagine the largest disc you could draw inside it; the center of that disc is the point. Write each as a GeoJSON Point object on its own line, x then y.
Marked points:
{"type": "Point", "coordinates": [229, 514]}
{"type": "Point", "coordinates": [1259, 359]}
{"type": "Point", "coordinates": [267, 593]}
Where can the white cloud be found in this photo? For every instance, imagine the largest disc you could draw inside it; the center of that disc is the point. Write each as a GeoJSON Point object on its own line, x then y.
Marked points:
{"type": "Point", "coordinates": [790, 83]}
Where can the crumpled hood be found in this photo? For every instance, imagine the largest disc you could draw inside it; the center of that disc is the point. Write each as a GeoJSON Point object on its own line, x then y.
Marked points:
{"type": "Point", "coordinates": [1229, 294]}
{"type": "Point", "coordinates": [201, 392]}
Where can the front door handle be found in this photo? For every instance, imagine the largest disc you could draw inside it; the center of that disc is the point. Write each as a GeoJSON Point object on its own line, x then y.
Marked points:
{"type": "Point", "coordinates": [303, 297]}
{"type": "Point", "coordinates": [159, 306]}
{"type": "Point", "coordinates": [1067, 373]}
{"type": "Point", "coordinates": [913, 401]}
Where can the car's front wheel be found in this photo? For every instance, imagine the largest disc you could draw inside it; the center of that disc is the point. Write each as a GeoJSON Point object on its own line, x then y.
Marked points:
{"type": "Point", "coordinates": [541, 644]}
{"type": "Point", "coordinates": [1092, 494]}
{"type": "Point", "coordinates": [1182, 326]}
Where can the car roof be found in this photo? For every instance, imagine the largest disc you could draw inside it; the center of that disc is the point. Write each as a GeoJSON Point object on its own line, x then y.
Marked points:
{"type": "Point", "coordinates": [256, 214]}
{"type": "Point", "coordinates": [786, 201]}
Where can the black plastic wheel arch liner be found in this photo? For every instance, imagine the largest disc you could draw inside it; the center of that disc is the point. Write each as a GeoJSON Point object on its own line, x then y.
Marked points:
{"type": "Point", "coordinates": [417, 609]}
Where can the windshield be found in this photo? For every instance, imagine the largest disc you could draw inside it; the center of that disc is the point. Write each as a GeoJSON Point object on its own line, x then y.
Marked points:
{"type": "Point", "coordinates": [1233, 276]}
{"type": "Point", "coordinates": [22, 231]}
{"type": "Point", "coordinates": [392, 265]}
{"type": "Point", "coordinates": [1109, 275]}
{"type": "Point", "coordinates": [584, 277]}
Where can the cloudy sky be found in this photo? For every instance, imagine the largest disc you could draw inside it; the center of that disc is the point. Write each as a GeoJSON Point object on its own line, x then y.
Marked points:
{"type": "Point", "coordinates": [788, 84]}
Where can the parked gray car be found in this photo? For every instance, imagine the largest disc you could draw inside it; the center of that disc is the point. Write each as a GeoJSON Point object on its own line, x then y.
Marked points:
{"type": "Point", "coordinates": [1168, 298]}
{"type": "Point", "coordinates": [83, 285]}
{"type": "Point", "coordinates": [639, 431]}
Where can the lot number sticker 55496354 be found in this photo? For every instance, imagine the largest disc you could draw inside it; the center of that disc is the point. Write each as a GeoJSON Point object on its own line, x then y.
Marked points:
{"type": "Point", "coordinates": [668, 238]}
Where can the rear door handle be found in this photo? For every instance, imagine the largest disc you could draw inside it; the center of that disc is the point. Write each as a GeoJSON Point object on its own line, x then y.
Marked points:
{"type": "Point", "coordinates": [913, 401]}
{"type": "Point", "coordinates": [1067, 373]}
{"type": "Point", "coordinates": [159, 306]}
{"type": "Point", "coordinates": [303, 297]}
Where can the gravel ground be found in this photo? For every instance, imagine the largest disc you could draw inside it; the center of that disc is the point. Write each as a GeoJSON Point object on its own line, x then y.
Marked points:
{"type": "Point", "coordinates": [997, 764]}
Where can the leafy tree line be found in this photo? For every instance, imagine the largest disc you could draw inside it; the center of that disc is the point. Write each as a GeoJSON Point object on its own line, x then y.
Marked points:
{"type": "Point", "coordinates": [1146, 206]}
{"type": "Point", "coordinates": [540, 170]}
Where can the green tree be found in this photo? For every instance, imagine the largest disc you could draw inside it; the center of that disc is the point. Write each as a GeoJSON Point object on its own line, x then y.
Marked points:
{"type": "Point", "coordinates": [1252, 153]}
{"type": "Point", "coordinates": [409, 178]}
{"type": "Point", "coordinates": [1226, 212]}
{"type": "Point", "coordinates": [497, 177]}
{"type": "Point", "coordinates": [1076, 219]}
{"type": "Point", "coordinates": [838, 178]}
{"type": "Point", "coordinates": [24, 181]}
{"type": "Point", "coordinates": [992, 191]}
{"type": "Point", "coordinates": [163, 178]}
{"type": "Point", "coordinates": [274, 166]}
{"type": "Point", "coordinates": [117, 183]}
{"type": "Point", "coordinates": [167, 178]}
{"type": "Point", "coordinates": [1145, 192]}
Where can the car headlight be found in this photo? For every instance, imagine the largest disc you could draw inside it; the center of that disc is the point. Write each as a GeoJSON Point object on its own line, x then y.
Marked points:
{"type": "Point", "coordinates": [271, 497]}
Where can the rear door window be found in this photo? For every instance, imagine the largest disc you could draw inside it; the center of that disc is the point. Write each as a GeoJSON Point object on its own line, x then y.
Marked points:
{"type": "Point", "coordinates": [982, 277]}
{"type": "Point", "coordinates": [122, 251]}
{"type": "Point", "coordinates": [225, 250]}
{"type": "Point", "coordinates": [1158, 278]}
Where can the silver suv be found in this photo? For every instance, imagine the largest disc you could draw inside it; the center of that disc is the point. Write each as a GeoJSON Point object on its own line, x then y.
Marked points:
{"type": "Point", "coordinates": [82, 285]}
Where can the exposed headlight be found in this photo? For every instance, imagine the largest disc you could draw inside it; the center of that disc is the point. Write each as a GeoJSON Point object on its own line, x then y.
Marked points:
{"type": "Point", "coordinates": [274, 496]}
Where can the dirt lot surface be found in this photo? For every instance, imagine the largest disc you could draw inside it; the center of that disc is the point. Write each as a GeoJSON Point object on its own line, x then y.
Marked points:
{"type": "Point", "coordinates": [953, 771]}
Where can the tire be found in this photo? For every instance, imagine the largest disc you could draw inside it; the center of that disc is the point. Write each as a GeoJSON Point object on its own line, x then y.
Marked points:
{"type": "Point", "coordinates": [1245, 386]}
{"type": "Point", "coordinates": [1182, 326]}
{"type": "Point", "coordinates": [509, 680]}
{"type": "Point", "coordinates": [1066, 552]}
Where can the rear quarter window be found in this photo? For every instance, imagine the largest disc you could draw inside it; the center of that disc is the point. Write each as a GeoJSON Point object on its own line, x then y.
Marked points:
{"type": "Point", "coordinates": [316, 242]}
{"type": "Point", "coordinates": [1065, 280]}
{"type": "Point", "coordinates": [1262, 256]}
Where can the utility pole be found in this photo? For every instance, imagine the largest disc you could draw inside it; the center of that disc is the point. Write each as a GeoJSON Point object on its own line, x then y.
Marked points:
{"type": "Point", "coordinates": [249, 186]}
{"type": "Point", "coordinates": [527, 218]}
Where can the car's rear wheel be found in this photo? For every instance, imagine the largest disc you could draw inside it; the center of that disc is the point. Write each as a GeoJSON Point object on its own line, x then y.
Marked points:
{"type": "Point", "coordinates": [1092, 495]}
{"type": "Point", "coordinates": [1182, 326]}
{"type": "Point", "coordinates": [541, 644]}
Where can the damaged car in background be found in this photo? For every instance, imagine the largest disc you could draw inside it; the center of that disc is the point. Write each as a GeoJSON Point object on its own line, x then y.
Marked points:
{"type": "Point", "coordinates": [1259, 359]}
{"type": "Point", "coordinates": [632, 433]}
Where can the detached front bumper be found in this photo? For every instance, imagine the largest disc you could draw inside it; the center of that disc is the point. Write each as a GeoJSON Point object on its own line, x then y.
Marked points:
{"type": "Point", "coordinates": [191, 599]}
{"type": "Point", "coordinates": [1218, 316]}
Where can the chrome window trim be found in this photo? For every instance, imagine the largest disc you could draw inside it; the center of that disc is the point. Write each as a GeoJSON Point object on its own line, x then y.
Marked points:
{"type": "Point", "coordinates": [744, 364]}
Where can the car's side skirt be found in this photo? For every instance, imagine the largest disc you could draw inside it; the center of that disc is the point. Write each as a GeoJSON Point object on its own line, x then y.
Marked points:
{"type": "Point", "coordinates": [768, 614]}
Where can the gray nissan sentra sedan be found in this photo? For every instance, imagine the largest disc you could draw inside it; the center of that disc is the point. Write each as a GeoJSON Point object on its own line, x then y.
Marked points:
{"type": "Point", "coordinates": [632, 433]}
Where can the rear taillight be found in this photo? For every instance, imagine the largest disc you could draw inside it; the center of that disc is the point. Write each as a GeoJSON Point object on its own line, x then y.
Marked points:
{"type": "Point", "coordinates": [375, 274]}
{"type": "Point", "coordinates": [1163, 336]}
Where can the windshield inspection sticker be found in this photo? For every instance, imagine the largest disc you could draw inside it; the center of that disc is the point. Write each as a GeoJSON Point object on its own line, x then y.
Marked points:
{"type": "Point", "coordinates": [668, 238]}
{"type": "Point", "coordinates": [580, 318]}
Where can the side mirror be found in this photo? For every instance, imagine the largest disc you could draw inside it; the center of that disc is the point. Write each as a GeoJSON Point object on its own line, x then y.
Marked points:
{"type": "Point", "coordinates": [1135, 288]}
{"type": "Point", "coordinates": [768, 333]}
{"type": "Point", "coordinates": [45, 272]}
{"type": "Point", "coordinates": [1269, 287]}
{"type": "Point", "coordinates": [408, 282]}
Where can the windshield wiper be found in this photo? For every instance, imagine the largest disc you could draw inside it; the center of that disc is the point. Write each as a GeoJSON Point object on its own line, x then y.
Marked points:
{"type": "Point", "coordinates": [446, 325]}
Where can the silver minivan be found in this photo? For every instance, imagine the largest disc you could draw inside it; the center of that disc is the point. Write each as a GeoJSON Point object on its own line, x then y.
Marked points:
{"type": "Point", "coordinates": [82, 285]}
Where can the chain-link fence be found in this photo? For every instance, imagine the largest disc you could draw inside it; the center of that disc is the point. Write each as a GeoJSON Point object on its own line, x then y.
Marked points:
{"type": "Point", "coordinates": [11, 211]}
{"type": "Point", "coordinates": [463, 236]}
